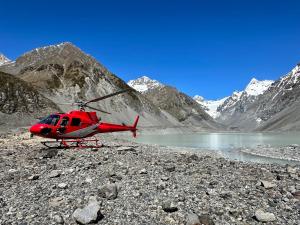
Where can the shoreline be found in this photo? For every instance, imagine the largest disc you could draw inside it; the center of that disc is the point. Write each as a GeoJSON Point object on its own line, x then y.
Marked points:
{"type": "Point", "coordinates": [286, 153]}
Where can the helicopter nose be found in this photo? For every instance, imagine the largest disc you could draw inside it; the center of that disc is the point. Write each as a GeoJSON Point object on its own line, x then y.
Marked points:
{"type": "Point", "coordinates": [35, 129]}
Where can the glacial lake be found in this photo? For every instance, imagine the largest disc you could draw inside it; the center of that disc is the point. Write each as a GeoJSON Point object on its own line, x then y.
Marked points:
{"type": "Point", "coordinates": [227, 143]}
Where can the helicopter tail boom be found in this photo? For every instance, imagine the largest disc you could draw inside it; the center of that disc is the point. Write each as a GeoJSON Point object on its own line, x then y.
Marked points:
{"type": "Point", "coordinates": [108, 127]}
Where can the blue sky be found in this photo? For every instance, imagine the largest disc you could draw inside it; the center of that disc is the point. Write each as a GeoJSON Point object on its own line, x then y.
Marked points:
{"type": "Point", "coordinates": [208, 47]}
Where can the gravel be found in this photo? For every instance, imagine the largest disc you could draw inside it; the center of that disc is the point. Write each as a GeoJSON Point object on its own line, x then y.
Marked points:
{"type": "Point", "coordinates": [140, 184]}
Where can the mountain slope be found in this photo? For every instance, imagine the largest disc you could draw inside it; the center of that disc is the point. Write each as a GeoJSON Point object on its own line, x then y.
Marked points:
{"type": "Point", "coordinates": [238, 110]}
{"type": "Point", "coordinates": [238, 101]}
{"type": "Point", "coordinates": [227, 106]}
{"type": "Point", "coordinates": [64, 73]}
{"type": "Point", "coordinates": [20, 103]}
{"type": "Point", "coordinates": [177, 104]}
{"type": "Point", "coordinates": [275, 108]}
{"type": "Point", "coordinates": [279, 107]}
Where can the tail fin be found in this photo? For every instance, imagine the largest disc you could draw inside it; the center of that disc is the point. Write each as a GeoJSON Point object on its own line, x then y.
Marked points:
{"type": "Point", "coordinates": [134, 126]}
{"type": "Point", "coordinates": [136, 121]}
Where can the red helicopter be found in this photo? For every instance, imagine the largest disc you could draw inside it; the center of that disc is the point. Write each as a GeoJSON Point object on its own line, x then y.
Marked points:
{"type": "Point", "coordinates": [76, 128]}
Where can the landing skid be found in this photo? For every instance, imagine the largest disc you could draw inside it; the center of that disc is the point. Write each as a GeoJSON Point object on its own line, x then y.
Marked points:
{"type": "Point", "coordinates": [76, 143]}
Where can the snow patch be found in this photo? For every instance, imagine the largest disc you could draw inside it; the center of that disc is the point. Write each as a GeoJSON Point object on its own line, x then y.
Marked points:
{"type": "Point", "coordinates": [210, 106]}
{"type": "Point", "coordinates": [144, 84]}
{"type": "Point", "coordinates": [4, 60]}
{"type": "Point", "coordinates": [256, 87]}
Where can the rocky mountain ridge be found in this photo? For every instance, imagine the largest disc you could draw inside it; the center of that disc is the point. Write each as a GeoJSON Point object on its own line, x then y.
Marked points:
{"type": "Point", "coordinates": [279, 106]}
{"type": "Point", "coordinates": [275, 109]}
{"type": "Point", "coordinates": [4, 59]}
{"type": "Point", "coordinates": [20, 103]}
{"type": "Point", "coordinates": [239, 100]}
{"type": "Point", "coordinates": [217, 108]}
{"type": "Point", "coordinates": [64, 73]}
{"type": "Point", "coordinates": [263, 105]}
{"type": "Point", "coordinates": [178, 104]}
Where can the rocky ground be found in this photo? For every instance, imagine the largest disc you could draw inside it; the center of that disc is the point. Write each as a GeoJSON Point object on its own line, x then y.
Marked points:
{"type": "Point", "coordinates": [126, 183]}
{"type": "Point", "coordinates": [291, 152]}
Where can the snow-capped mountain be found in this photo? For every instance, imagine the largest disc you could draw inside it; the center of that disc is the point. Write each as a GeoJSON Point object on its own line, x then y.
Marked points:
{"type": "Point", "coordinates": [238, 98]}
{"type": "Point", "coordinates": [215, 107]}
{"type": "Point", "coordinates": [266, 106]}
{"type": "Point", "coordinates": [279, 107]}
{"type": "Point", "coordinates": [144, 84]}
{"type": "Point", "coordinates": [210, 106]}
{"type": "Point", "coordinates": [3, 59]}
{"type": "Point", "coordinates": [175, 103]}
{"type": "Point", "coordinates": [256, 87]}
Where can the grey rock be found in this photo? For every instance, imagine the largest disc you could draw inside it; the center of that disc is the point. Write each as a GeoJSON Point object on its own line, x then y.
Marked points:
{"type": "Point", "coordinates": [161, 185]}
{"type": "Point", "coordinates": [225, 194]}
{"type": "Point", "coordinates": [12, 170]}
{"type": "Point", "coordinates": [2, 203]}
{"type": "Point", "coordinates": [109, 191]}
{"type": "Point", "coordinates": [296, 195]}
{"type": "Point", "coordinates": [143, 171]}
{"type": "Point", "coordinates": [63, 185]}
{"type": "Point", "coordinates": [54, 173]}
{"type": "Point", "coordinates": [293, 146]}
{"type": "Point", "coordinates": [125, 149]}
{"type": "Point", "coordinates": [58, 219]}
{"type": "Point", "coordinates": [169, 206]}
{"type": "Point", "coordinates": [57, 201]}
{"type": "Point", "coordinates": [89, 214]}
{"type": "Point", "coordinates": [192, 219]}
{"type": "Point", "coordinates": [164, 178]}
{"type": "Point", "coordinates": [211, 192]}
{"type": "Point", "coordinates": [34, 177]}
{"type": "Point", "coordinates": [267, 184]}
{"type": "Point", "coordinates": [262, 216]}
{"type": "Point", "coordinates": [291, 169]}
{"type": "Point", "coordinates": [170, 168]}
{"type": "Point", "coordinates": [48, 153]}
{"type": "Point", "coordinates": [206, 220]}
{"type": "Point", "coordinates": [193, 157]}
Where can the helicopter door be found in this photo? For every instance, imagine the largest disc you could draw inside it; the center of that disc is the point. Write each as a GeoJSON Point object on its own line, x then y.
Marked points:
{"type": "Point", "coordinates": [63, 125]}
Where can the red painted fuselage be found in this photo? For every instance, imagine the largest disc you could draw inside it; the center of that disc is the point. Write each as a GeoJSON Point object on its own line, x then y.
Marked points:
{"type": "Point", "coordinates": [76, 124]}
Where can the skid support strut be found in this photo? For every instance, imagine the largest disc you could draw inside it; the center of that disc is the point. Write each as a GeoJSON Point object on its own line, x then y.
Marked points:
{"type": "Point", "coordinates": [74, 143]}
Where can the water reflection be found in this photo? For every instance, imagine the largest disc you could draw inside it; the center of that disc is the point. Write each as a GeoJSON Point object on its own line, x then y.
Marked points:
{"type": "Point", "coordinates": [227, 143]}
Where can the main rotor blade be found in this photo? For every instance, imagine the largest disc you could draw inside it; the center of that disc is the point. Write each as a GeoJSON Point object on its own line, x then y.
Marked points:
{"type": "Point", "coordinates": [64, 103]}
{"type": "Point", "coordinates": [100, 110]}
{"type": "Point", "coordinates": [107, 96]}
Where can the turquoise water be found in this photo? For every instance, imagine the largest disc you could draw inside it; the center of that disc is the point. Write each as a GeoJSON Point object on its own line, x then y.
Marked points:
{"type": "Point", "coordinates": [226, 143]}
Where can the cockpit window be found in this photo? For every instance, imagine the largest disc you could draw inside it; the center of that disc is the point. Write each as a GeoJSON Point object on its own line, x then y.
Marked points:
{"type": "Point", "coordinates": [64, 121]}
{"type": "Point", "coordinates": [50, 120]}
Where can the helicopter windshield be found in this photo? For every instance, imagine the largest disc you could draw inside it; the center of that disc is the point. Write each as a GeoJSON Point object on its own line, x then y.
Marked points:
{"type": "Point", "coordinates": [50, 120]}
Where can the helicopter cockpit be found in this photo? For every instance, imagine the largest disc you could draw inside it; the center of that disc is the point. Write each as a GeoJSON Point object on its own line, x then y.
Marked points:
{"type": "Point", "coordinates": [50, 120]}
